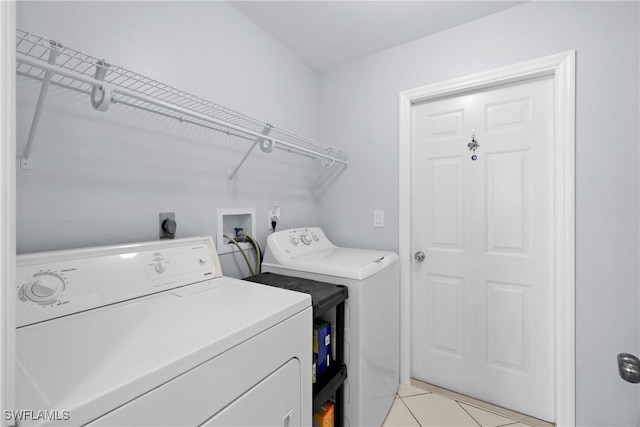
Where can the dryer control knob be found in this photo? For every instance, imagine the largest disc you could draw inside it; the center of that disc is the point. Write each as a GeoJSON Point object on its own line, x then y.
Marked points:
{"type": "Point", "coordinates": [295, 241]}
{"type": "Point", "coordinates": [315, 238]}
{"type": "Point", "coordinates": [306, 239]}
{"type": "Point", "coordinates": [44, 289]}
{"type": "Point", "coordinates": [159, 267]}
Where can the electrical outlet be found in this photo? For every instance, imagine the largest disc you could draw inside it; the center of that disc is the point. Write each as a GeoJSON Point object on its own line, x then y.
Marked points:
{"type": "Point", "coordinates": [273, 214]}
{"type": "Point", "coordinates": [167, 227]}
{"type": "Point", "coordinates": [269, 216]}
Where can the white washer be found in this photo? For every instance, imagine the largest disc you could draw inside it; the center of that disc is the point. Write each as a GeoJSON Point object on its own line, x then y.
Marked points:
{"type": "Point", "coordinates": [152, 334]}
{"type": "Point", "coordinates": [372, 321]}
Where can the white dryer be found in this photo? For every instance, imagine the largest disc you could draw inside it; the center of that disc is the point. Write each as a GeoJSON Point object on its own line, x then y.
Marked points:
{"type": "Point", "coordinates": [152, 334]}
{"type": "Point", "coordinates": [372, 320]}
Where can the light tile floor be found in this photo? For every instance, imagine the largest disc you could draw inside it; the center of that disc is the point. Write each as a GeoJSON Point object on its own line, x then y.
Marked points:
{"type": "Point", "coordinates": [432, 406]}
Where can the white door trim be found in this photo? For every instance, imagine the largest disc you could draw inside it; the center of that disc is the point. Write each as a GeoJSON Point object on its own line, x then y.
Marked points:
{"type": "Point", "coordinates": [8, 162]}
{"type": "Point", "coordinates": [562, 67]}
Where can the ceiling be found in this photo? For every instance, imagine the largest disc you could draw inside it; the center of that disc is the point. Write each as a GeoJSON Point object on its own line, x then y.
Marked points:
{"type": "Point", "coordinates": [327, 33]}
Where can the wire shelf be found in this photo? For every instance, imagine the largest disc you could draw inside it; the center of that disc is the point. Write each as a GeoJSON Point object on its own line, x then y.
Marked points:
{"type": "Point", "coordinates": [48, 60]}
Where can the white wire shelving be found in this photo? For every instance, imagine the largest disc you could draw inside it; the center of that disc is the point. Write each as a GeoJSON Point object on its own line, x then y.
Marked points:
{"type": "Point", "coordinates": [108, 84]}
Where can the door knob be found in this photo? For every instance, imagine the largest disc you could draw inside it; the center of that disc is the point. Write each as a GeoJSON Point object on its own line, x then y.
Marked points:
{"type": "Point", "coordinates": [419, 256]}
{"type": "Point", "coordinates": [629, 367]}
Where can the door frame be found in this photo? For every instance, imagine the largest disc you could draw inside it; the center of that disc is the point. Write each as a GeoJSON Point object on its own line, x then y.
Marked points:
{"type": "Point", "coordinates": [562, 68]}
{"type": "Point", "coordinates": [8, 162]}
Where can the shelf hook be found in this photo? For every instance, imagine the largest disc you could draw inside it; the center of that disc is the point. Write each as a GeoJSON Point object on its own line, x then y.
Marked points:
{"type": "Point", "coordinates": [101, 95]}
{"type": "Point", "coordinates": [327, 163]}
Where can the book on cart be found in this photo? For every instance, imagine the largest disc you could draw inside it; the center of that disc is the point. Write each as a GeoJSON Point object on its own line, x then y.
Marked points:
{"type": "Point", "coordinates": [322, 345]}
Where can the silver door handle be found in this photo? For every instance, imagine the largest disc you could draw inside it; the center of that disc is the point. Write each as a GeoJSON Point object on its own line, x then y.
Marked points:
{"type": "Point", "coordinates": [419, 256]}
{"type": "Point", "coordinates": [629, 367]}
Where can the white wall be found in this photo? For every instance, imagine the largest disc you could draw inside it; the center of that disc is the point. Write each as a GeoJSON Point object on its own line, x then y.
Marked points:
{"type": "Point", "coordinates": [101, 178]}
{"type": "Point", "coordinates": [359, 113]}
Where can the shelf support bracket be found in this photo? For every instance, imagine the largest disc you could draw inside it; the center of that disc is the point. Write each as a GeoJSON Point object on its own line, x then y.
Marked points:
{"type": "Point", "coordinates": [101, 95]}
{"type": "Point", "coordinates": [25, 161]}
{"type": "Point", "coordinates": [261, 141]}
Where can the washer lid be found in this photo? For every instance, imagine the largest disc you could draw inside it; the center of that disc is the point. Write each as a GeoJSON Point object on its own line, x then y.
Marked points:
{"type": "Point", "coordinates": [93, 362]}
{"type": "Point", "coordinates": [349, 263]}
{"type": "Point", "coordinates": [309, 250]}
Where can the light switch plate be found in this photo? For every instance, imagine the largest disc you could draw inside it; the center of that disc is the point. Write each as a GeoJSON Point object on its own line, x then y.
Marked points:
{"type": "Point", "coordinates": [378, 219]}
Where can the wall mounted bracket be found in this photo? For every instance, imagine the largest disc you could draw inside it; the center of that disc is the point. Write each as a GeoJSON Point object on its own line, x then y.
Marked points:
{"type": "Point", "coordinates": [266, 131]}
{"type": "Point", "coordinates": [25, 161]}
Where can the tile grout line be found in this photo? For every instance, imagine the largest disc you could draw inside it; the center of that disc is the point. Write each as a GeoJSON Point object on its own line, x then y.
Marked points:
{"type": "Point", "coordinates": [461, 404]}
{"type": "Point", "coordinates": [409, 409]}
{"type": "Point", "coordinates": [465, 410]}
{"type": "Point", "coordinates": [485, 406]}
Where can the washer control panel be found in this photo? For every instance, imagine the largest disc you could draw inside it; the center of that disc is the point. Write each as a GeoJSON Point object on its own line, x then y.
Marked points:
{"type": "Point", "coordinates": [285, 245]}
{"type": "Point", "coordinates": [59, 283]}
{"type": "Point", "coordinates": [304, 236]}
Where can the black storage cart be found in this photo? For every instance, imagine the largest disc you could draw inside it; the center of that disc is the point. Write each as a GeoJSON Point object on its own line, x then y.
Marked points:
{"type": "Point", "coordinates": [324, 296]}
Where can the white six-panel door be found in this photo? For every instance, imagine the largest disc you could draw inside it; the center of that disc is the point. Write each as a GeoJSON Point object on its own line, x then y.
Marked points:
{"type": "Point", "coordinates": [482, 300]}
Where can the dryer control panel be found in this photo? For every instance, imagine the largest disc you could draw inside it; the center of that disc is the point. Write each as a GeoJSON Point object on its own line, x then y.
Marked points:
{"type": "Point", "coordinates": [60, 283]}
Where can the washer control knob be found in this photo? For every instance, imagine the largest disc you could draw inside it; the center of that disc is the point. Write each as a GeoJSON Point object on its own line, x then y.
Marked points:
{"type": "Point", "coordinates": [306, 239]}
{"type": "Point", "coordinates": [202, 261]}
{"type": "Point", "coordinates": [295, 241]}
{"type": "Point", "coordinates": [159, 267]}
{"type": "Point", "coordinates": [315, 238]}
{"type": "Point", "coordinates": [43, 289]}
